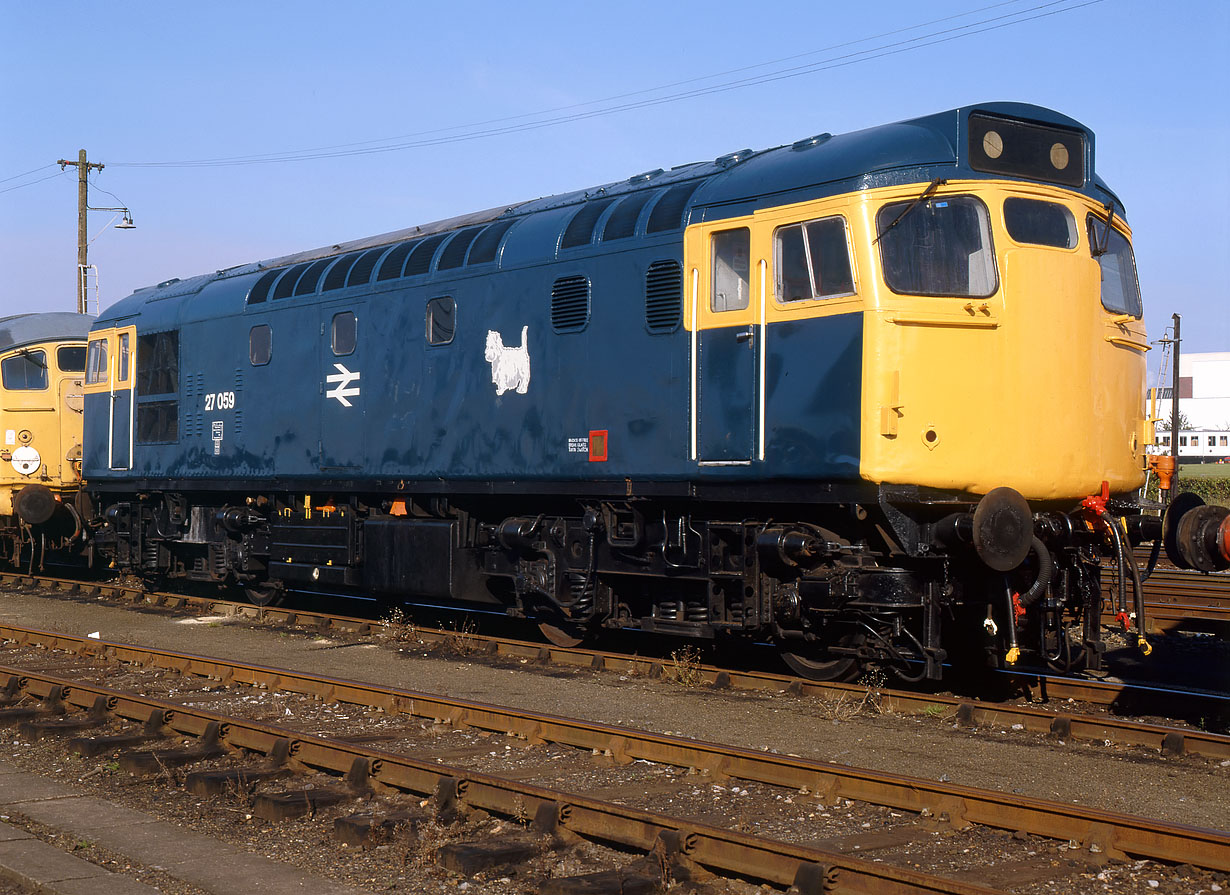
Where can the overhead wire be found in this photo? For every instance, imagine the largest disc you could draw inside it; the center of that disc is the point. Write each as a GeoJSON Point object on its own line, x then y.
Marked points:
{"type": "Point", "coordinates": [618, 96]}
{"type": "Point", "coordinates": [27, 173]}
{"type": "Point", "coordinates": [982, 26]}
{"type": "Point", "coordinates": [612, 104]}
{"type": "Point", "coordinates": [30, 183]}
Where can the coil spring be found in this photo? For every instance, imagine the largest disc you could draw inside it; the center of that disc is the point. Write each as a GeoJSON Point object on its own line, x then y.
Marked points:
{"type": "Point", "coordinates": [581, 597]}
{"type": "Point", "coordinates": [692, 610]}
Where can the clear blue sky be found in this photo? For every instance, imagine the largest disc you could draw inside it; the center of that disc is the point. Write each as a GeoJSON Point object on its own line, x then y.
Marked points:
{"type": "Point", "coordinates": [161, 82]}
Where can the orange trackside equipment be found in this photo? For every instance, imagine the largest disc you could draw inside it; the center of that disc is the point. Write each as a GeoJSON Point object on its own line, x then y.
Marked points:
{"type": "Point", "coordinates": [1163, 465]}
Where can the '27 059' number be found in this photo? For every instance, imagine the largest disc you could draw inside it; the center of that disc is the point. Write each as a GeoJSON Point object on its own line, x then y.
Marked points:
{"type": "Point", "coordinates": [220, 401]}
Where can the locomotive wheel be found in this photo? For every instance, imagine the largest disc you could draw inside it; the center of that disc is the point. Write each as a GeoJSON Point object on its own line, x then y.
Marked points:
{"type": "Point", "coordinates": [817, 664]}
{"type": "Point", "coordinates": [264, 594]}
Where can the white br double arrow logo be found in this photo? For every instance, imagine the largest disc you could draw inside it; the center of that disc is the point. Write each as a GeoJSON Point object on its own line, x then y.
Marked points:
{"type": "Point", "coordinates": [343, 378]}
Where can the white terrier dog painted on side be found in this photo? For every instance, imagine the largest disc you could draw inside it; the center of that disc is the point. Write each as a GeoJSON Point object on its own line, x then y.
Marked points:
{"type": "Point", "coordinates": [510, 364]}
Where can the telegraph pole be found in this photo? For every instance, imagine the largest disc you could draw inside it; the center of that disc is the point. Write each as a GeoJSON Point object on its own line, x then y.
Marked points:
{"type": "Point", "coordinates": [83, 186]}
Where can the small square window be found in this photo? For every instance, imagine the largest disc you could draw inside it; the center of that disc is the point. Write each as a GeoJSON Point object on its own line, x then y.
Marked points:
{"type": "Point", "coordinates": [71, 358]}
{"type": "Point", "coordinates": [441, 320]}
{"type": "Point", "coordinates": [345, 333]}
{"type": "Point", "coordinates": [260, 345]}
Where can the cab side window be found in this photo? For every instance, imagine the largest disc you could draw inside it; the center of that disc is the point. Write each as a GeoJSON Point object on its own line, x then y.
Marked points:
{"type": "Point", "coordinates": [1120, 289]}
{"type": "Point", "coordinates": [125, 355]}
{"type": "Point", "coordinates": [26, 371]}
{"type": "Point", "coordinates": [71, 358]}
{"type": "Point", "coordinates": [813, 260]}
{"type": "Point", "coordinates": [96, 362]}
{"type": "Point", "coordinates": [731, 265]}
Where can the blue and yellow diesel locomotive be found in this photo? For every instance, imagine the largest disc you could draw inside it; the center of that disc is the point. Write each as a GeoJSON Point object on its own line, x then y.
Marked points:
{"type": "Point", "coordinates": [791, 395]}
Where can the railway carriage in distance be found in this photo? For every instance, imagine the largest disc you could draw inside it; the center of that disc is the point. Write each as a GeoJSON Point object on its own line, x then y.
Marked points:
{"type": "Point", "coordinates": [789, 395]}
{"type": "Point", "coordinates": [42, 368]}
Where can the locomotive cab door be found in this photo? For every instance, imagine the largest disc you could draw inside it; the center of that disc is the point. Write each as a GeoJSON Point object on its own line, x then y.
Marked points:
{"type": "Point", "coordinates": [342, 430]}
{"type": "Point", "coordinates": [122, 413]}
{"type": "Point", "coordinates": [727, 324]}
{"type": "Point", "coordinates": [70, 362]}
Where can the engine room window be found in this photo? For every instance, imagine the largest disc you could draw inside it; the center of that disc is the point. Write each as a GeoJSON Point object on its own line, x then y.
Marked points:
{"type": "Point", "coordinates": [345, 333]}
{"type": "Point", "coordinates": [1120, 290]}
{"type": "Point", "coordinates": [157, 422]}
{"type": "Point", "coordinates": [71, 358]}
{"type": "Point", "coordinates": [96, 362]}
{"type": "Point", "coordinates": [260, 345]}
{"type": "Point", "coordinates": [25, 372]}
{"type": "Point", "coordinates": [441, 320]}
{"type": "Point", "coordinates": [813, 260]}
{"type": "Point", "coordinates": [938, 247]}
{"type": "Point", "coordinates": [1040, 223]}
{"type": "Point", "coordinates": [158, 372]}
{"type": "Point", "coordinates": [731, 264]}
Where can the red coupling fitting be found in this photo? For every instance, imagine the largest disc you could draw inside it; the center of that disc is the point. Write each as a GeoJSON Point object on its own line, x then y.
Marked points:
{"type": "Point", "coordinates": [1018, 611]}
{"type": "Point", "coordinates": [1123, 619]}
{"type": "Point", "coordinates": [1097, 502]}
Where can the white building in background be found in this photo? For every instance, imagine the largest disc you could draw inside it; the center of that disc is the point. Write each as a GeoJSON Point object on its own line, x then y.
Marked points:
{"type": "Point", "coordinates": [1204, 401]}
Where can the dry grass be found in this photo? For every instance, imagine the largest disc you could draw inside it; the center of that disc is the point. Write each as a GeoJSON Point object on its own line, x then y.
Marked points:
{"type": "Point", "coordinates": [685, 667]}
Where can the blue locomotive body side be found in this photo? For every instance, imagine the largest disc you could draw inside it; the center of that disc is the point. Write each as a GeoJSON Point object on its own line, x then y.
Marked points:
{"type": "Point", "coordinates": [424, 412]}
{"type": "Point", "coordinates": [413, 411]}
{"type": "Point", "coordinates": [400, 409]}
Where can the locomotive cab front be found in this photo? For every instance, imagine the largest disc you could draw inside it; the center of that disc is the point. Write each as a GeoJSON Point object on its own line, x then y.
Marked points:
{"type": "Point", "coordinates": [1006, 346]}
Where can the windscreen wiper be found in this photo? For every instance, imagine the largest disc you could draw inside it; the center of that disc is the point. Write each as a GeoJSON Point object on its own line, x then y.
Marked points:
{"type": "Point", "coordinates": [1099, 251]}
{"type": "Point", "coordinates": [931, 187]}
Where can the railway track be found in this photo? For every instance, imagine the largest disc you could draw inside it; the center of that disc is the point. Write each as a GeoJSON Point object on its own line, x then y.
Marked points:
{"type": "Point", "coordinates": [1178, 600]}
{"type": "Point", "coordinates": [69, 675]}
{"type": "Point", "coordinates": [1050, 704]}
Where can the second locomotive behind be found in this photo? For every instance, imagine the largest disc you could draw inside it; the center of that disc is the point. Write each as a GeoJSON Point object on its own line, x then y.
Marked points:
{"type": "Point", "coordinates": [874, 397]}
{"type": "Point", "coordinates": [42, 366]}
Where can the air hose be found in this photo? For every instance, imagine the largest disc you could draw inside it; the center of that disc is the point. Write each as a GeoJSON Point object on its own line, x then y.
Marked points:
{"type": "Point", "coordinates": [1046, 568]}
{"type": "Point", "coordinates": [1138, 599]}
{"type": "Point", "coordinates": [1014, 651]}
{"type": "Point", "coordinates": [1128, 563]}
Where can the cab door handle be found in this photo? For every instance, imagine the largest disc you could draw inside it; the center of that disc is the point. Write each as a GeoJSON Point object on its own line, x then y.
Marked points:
{"type": "Point", "coordinates": [745, 336]}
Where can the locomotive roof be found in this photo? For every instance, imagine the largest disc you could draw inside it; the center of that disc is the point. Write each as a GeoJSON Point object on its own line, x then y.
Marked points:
{"type": "Point", "coordinates": [733, 184]}
{"type": "Point", "coordinates": [26, 329]}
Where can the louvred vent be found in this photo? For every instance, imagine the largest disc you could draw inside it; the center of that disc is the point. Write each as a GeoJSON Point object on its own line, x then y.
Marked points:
{"type": "Point", "coordinates": [570, 304]}
{"type": "Point", "coordinates": [664, 296]}
{"type": "Point", "coordinates": [668, 213]}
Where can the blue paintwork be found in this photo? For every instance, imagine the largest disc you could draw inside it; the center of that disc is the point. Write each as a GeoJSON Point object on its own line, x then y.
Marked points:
{"type": "Point", "coordinates": [727, 394]}
{"type": "Point", "coordinates": [431, 413]}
